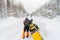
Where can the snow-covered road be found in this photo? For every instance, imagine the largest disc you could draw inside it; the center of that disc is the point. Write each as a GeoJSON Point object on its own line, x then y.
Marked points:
{"type": "Point", "coordinates": [11, 28]}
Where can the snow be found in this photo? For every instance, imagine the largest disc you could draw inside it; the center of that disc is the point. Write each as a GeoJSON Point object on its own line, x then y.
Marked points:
{"type": "Point", "coordinates": [31, 5]}
{"type": "Point", "coordinates": [11, 28]}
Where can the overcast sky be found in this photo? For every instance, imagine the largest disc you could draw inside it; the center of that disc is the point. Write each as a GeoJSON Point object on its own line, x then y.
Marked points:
{"type": "Point", "coordinates": [31, 5]}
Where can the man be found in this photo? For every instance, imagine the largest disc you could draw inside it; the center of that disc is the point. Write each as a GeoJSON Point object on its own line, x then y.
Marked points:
{"type": "Point", "coordinates": [26, 23]}
{"type": "Point", "coordinates": [27, 27]}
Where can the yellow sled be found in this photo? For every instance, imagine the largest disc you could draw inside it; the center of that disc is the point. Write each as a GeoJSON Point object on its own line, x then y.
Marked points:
{"type": "Point", "coordinates": [35, 34]}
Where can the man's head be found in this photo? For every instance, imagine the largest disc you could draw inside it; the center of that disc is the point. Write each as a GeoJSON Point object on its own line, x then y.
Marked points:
{"type": "Point", "coordinates": [26, 19]}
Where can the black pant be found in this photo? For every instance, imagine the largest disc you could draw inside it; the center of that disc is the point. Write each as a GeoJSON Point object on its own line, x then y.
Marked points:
{"type": "Point", "coordinates": [26, 28]}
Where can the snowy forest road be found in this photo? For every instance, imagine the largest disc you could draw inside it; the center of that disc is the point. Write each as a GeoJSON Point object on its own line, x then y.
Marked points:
{"type": "Point", "coordinates": [11, 28]}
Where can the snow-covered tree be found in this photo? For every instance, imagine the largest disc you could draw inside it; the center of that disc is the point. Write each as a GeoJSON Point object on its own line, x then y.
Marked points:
{"type": "Point", "coordinates": [49, 10]}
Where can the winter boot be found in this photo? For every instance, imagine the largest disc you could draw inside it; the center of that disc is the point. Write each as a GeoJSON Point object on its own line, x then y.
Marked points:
{"type": "Point", "coordinates": [23, 35]}
{"type": "Point", "coordinates": [27, 34]}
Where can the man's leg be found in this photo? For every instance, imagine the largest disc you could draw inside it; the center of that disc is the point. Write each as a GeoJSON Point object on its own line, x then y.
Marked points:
{"type": "Point", "coordinates": [27, 32]}
{"type": "Point", "coordinates": [23, 34]}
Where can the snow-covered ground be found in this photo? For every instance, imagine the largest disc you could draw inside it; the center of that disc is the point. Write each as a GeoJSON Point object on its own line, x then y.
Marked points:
{"type": "Point", "coordinates": [11, 28]}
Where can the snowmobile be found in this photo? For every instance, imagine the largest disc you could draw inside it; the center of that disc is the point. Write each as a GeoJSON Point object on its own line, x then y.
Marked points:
{"type": "Point", "coordinates": [34, 32]}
